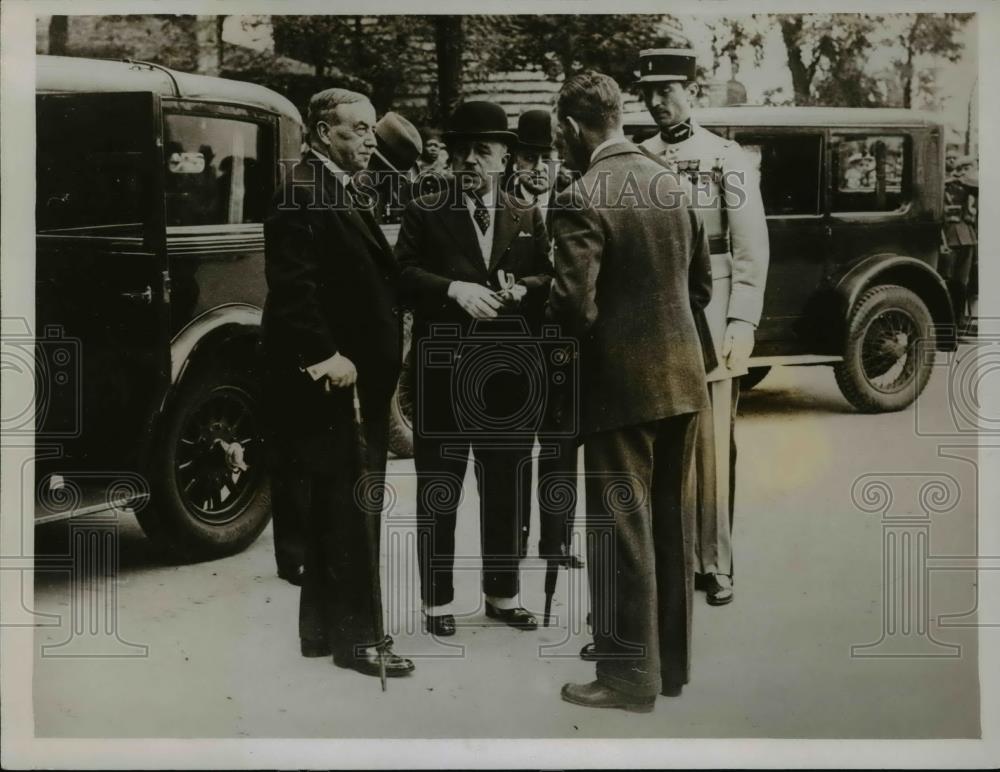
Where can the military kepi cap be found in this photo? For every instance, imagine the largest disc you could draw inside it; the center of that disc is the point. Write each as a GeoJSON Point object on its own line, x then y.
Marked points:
{"type": "Point", "coordinates": [479, 120]}
{"type": "Point", "coordinates": [661, 65]}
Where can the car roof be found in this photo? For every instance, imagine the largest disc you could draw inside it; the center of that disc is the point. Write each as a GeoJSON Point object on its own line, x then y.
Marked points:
{"type": "Point", "coordinates": [751, 116]}
{"type": "Point", "coordinates": [62, 74]}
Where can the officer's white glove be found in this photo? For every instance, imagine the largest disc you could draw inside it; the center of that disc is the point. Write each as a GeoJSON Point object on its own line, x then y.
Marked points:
{"type": "Point", "coordinates": [738, 344]}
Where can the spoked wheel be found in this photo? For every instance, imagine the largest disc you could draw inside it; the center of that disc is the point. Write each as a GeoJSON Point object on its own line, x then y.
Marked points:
{"type": "Point", "coordinates": [887, 356]}
{"type": "Point", "coordinates": [213, 476]}
{"type": "Point", "coordinates": [209, 485]}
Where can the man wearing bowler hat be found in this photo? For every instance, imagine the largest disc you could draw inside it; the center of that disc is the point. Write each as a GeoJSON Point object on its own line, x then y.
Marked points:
{"type": "Point", "coordinates": [727, 178]}
{"type": "Point", "coordinates": [531, 178]}
{"type": "Point", "coordinates": [532, 164]}
{"type": "Point", "coordinates": [471, 259]}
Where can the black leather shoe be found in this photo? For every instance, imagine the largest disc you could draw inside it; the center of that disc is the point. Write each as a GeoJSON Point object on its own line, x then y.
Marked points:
{"type": "Point", "coordinates": [598, 695]}
{"type": "Point", "coordinates": [520, 618]}
{"type": "Point", "coordinates": [292, 575]}
{"type": "Point", "coordinates": [672, 690]}
{"type": "Point", "coordinates": [315, 648]}
{"type": "Point", "coordinates": [719, 589]}
{"type": "Point", "coordinates": [367, 662]}
{"type": "Point", "coordinates": [440, 626]}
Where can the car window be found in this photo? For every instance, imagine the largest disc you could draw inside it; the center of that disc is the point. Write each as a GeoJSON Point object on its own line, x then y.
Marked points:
{"type": "Point", "coordinates": [213, 174]}
{"type": "Point", "coordinates": [869, 172]}
{"type": "Point", "coordinates": [91, 172]}
{"type": "Point", "coordinates": [790, 171]}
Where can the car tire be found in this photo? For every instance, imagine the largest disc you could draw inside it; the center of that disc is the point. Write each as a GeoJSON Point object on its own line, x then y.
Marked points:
{"type": "Point", "coordinates": [753, 377]}
{"type": "Point", "coordinates": [201, 506]}
{"type": "Point", "coordinates": [887, 351]}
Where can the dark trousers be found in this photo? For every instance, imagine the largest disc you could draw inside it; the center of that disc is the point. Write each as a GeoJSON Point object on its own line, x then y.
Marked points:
{"type": "Point", "coordinates": [640, 552]}
{"type": "Point", "coordinates": [441, 465]}
{"type": "Point", "coordinates": [556, 490]}
{"type": "Point", "coordinates": [289, 510]}
{"type": "Point", "coordinates": [341, 601]}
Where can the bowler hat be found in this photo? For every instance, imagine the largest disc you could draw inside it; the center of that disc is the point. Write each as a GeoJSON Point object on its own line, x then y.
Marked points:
{"type": "Point", "coordinates": [398, 141]}
{"type": "Point", "coordinates": [662, 65]}
{"type": "Point", "coordinates": [479, 120]}
{"type": "Point", "coordinates": [534, 130]}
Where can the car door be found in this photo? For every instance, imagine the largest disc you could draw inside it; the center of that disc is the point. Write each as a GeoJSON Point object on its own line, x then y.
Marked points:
{"type": "Point", "coordinates": [793, 189]}
{"type": "Point", "coordinates": [102, 288]}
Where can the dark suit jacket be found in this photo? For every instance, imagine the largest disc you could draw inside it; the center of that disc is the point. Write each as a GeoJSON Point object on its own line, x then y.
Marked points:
{"type": "Point", "coordinates": [331, 288]}
{"type": "Point", "coordinates": [437, 245]}
{"type": "Point", "coordinates": [629, 273]}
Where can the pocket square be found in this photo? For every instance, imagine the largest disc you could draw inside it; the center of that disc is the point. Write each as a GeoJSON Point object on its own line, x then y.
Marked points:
{"type": "Point", "coordinates": [523, 235]}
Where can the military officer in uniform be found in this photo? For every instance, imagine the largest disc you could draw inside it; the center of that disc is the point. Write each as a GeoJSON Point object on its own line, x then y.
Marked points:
{"type": "Point", "coordinates": [723, 181]}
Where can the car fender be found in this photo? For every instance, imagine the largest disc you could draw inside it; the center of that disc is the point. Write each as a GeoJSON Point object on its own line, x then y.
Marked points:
{"type": "Point", "coordinates": [208, 333]}
{"type": "Point", "coordinates": [891, 268]}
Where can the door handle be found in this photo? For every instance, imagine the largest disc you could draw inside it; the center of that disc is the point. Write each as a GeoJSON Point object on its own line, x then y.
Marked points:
{"type": "Point", "coordinates": [146, 296]}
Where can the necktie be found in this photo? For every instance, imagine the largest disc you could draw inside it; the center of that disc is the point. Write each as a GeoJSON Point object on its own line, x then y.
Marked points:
{"type": "Point", "coordinates": [481, 214]}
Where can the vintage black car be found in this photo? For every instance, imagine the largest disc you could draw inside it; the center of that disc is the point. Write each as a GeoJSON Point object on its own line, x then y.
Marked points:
{"type": "Point", "coordinates": [854, 200]}
{"type": "Point", "coordinates": [152, 186]}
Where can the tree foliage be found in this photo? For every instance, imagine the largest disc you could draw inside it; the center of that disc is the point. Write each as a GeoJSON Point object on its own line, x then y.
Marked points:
{"type": "Point", "coordinates": [382, 52]}
{"type": "Point", "coordinates": [922, 34]}
{"type": "Point", "coordinates": [562, 45]}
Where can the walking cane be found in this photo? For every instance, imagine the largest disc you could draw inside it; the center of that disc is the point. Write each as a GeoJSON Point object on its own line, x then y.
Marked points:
{"type": "Point", "coordinates": [372, 525]}
{"type": "Point", "coordinates": [551, 576]}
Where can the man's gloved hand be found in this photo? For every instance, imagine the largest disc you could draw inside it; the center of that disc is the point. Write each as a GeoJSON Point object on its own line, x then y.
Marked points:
{"type": "Point", "coordinates": [738, 344]}
{"type": "Point", "coordinates": [477, 301]}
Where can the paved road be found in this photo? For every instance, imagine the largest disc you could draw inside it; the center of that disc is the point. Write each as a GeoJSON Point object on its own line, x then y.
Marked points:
{"type": "Point", "coordinates": [222, 657]}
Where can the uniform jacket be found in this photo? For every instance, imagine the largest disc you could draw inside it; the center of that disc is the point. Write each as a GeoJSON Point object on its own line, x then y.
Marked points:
{"type": "Point", "coordinates": [630, 276]}
{"type": "Point", "coordinates": [331, 279]}
{"type": "Point", "coordinates": [728, 182]}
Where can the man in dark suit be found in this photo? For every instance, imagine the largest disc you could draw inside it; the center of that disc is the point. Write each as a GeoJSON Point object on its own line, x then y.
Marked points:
{"type": "Point", "coordinates": [530, 181]}
{"type": "Point", "coordinates": [632, 266]}
{"type": "Point", "coordinates": [474, 360]}
{"type": "Point", "coordinates": [331, 325]}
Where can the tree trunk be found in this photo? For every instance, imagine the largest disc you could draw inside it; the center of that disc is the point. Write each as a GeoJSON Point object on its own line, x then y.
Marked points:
{"type": "Point", "coordinates": [791, 30]}
{"type": "Point", "coordinates": [908, 72]}
{"type": "Point", "coordinates": [220, 22]}
{"type": "Point", "coordinates": [449, 44]}
{"type": "Point", "coordinates": [58, 35]}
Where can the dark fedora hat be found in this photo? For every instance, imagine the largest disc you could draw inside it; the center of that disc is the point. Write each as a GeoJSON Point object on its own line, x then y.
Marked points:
{"type": "Point", "coordinates": [662, 65]}
{"type": "Point", "coordinates": [479, 120]}
{"type": "Point", "coordinates": [398, 141]}
{"type": "Point", "coordinates": [534, 130]}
